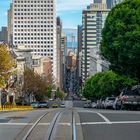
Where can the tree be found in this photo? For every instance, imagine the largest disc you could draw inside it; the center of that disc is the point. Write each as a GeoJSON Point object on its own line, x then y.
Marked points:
{"type": "Point", "coordinates": [105, 84]}
{"type": "Point", "coordinates": [6, 65]}
{"type": "Point", "coordinates": [35, 84]}
{"type": "Point", "coordinates": [60, 94]}
{"type": "Point", "coordinates": [120, 43]}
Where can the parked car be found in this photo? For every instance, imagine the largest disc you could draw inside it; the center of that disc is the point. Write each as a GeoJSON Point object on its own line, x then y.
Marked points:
{"type": "Point", "coordinates": [55, 105]}
{"type": "Point", "coordinates": [62, 105]}
{"type": "Point", "coordinates": [93, 104]}
{"type": "Point", "coordinates": [43, 105]}
{"type": "Point", "coordinates": [35, 104]}
{"type": "Point", "coordinates": [100, 103]}
{"type": "Point", "coordinates": [109, 102]}
{"type": "Point", "coordinates": [130, 99]}
{"type": "Point", "coordinates": [87, 105]}
{"type": "Point", "coordinates": [117, 104]}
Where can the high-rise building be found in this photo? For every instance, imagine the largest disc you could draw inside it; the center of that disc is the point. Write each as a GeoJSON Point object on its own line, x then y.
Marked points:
{"type": "Point", "coordinates": [78, 63]}
{"type": "Point", "coordinates": [4, 35]}
{"type": "Point", "coordinates": [109, 3]}
{"type": "Point", "coordinates": [117, 2]}
{"type": "Point", "coordinates": [10, 25]}
{"type": "Point", "coordinates": [63, 56]}
{"type": "Point", "coordinates": [59, 65]}
{"type": "Point", "coordinates": [34, 26]}
{"type": "Point", "coordinates": [93, 19]}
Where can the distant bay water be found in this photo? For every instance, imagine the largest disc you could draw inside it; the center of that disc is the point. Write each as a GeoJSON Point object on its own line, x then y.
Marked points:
{"type": "Point", "coordinates": [70, 33]}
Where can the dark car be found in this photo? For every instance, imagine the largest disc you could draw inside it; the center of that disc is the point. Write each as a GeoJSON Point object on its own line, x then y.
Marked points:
{"type": "Point", "coordinates": [130, 99]}
{"type": "Point", "coordinates": [43, 105]}
{"type": "Point", "coordinates": [35, 104]}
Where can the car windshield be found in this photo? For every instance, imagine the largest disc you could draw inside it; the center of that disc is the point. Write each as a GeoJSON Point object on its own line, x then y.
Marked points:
{"type": "Point", "coordinates": [42, 102]}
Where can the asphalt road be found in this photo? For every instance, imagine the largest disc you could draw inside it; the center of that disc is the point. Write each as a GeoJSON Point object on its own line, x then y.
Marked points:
{"type": "Point", "coordinates": [70, 123]}
{"type": "Point", "coordinates": [109, 125]}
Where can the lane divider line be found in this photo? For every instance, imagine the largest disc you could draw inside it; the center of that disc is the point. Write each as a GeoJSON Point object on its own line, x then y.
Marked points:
{"type": "Point", "coordinates": [73, 127]}
{"type": "Point", "coordinates": [104, 118]}
{"type": "Point", "coordinates": [118, 122]}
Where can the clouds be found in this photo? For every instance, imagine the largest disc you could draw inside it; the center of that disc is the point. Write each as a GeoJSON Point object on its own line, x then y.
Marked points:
{"type": "Point", "coordinates": [72, 5]}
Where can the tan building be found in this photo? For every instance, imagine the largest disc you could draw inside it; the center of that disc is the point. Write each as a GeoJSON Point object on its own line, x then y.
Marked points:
{"type": "Point", "coordinates": [23, 59]}
{"type": "Point", "coordinates": [42, 66]}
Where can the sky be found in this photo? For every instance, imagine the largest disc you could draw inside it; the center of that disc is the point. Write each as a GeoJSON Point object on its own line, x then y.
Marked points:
{"type": "Point", "coordinates": [70, 11]}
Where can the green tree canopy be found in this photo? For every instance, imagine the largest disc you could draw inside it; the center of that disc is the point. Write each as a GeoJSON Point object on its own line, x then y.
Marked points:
{"type": "Point", "coordinates": [105, 84]}
{"type": "Point", "coordinates": [6, 64]}
{"type": "Point", "coordinates": [120, 43]}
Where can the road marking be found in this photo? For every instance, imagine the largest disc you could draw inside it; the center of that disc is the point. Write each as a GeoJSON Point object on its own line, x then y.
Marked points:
{"type": "Point", "coordinates": [69, 124]}
{"type": "Point", "coordinates": [16, 123]}
{"type": "Point", "coordinates": [119, 122]}
{"type": "Point", "coordinates": [91, 123]}
{"type": "Point", "coordinates": [126, 122]}
{"type": "Point", "coordinates": [104, 118]}
{"type": "Point", "coordinates": [65, 124]}
{"type": "Point", "coordinates": [73, 126]}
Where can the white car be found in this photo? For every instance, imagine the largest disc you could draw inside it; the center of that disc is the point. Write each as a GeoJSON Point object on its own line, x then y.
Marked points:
{"type": "Point", "coordinates": [109, 101]}
{"type": "Point", "coordinates": [93, 104]}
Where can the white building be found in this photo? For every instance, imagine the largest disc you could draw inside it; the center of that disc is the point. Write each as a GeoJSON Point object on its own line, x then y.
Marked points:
{"type": "Point", "coordinates": [93, 19]}
{"type": "Point", "coordinates": [97, 64]}
{"type": "Point", "coordinates": [34, 26]}
{"type": "Point", "coordinates": [115, 2]}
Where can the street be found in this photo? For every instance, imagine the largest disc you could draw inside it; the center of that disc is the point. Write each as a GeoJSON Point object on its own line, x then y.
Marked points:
{"type": "Point", "coordinates": [70, 123]}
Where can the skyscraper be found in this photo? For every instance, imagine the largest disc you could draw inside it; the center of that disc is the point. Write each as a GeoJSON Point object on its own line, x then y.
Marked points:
{"type": "Point", "coordinates": [117, 2]}
{"type": "Point", "coordinates": [93, 19]}
{"type": "Point", "coordinates": [109, 3]}
{"type": "Point", "coordinates": [34, 26]}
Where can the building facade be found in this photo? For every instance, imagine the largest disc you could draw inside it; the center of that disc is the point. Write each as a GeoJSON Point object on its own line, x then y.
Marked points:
{"type": "Point", "coordinates": [109, 3]}
{"type": "Point", "coordinates": [4, 35]}
{"type": "Point", "coordinates": [10, 25]}
{"type": "Point", "coordinates": [63, 55]}
{"type": "Point", "coordinates": [115, 2]}
{"type": "Point", "coordinates": [93, 19]}
{"type": "Point", "coordinates": [97, 64]}
{"type": "Point", "coordinates": [34, 26]}
{"type": "Point", "coordinates": [78, 60]}
{"type": "Point", "coordinates": [59, 69]}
